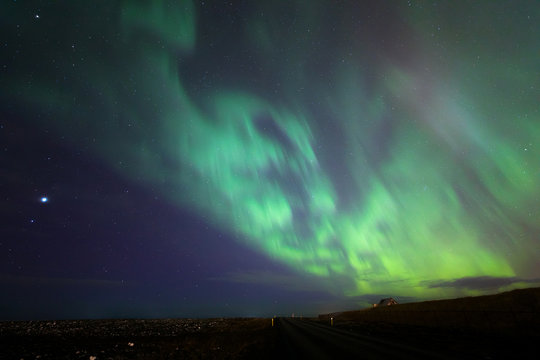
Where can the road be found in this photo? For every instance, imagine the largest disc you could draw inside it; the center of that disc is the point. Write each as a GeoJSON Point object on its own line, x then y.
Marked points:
{"type": "Point", "coordinates": [305, 339]}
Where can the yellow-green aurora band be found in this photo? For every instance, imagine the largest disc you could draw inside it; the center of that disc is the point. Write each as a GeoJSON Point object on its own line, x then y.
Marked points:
{"type": "Point", "coordinates": [386, 176]}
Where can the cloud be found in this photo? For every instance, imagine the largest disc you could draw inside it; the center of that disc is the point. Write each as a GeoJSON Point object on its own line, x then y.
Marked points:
{"type": "Point", "coordinates": [291, 282]}
{"type": "Point", "coordinates": [333, 297]}
{"type": "Point", "coordinates": [481, 283]}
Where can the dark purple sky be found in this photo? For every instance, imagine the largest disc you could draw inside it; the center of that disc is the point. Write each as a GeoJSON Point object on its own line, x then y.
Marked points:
{"type": "Point", "coordinates": [253, 158]}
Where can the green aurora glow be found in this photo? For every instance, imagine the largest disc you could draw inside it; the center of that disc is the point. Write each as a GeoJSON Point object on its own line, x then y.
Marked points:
{"type": "Point", "coordinates": [385, 171]}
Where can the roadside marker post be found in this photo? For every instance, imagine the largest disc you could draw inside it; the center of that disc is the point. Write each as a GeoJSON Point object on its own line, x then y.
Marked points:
{"type": "Point", "coordinates": [331, 321]}
{"type": "Point", "coordinates": [272, 322]}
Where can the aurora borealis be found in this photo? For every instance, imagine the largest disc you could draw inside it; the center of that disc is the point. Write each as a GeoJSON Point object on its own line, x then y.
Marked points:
{"type": "Point", "coordinates": [372, 147]}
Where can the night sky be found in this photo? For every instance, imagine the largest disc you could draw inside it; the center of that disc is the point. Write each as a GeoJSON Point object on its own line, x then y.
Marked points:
{"type": "Point", "coordinates": [256, 158]}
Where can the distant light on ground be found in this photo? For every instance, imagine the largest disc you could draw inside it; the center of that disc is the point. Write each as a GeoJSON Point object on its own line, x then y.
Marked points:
{"type": "Point", "coordinates": [44, 199]}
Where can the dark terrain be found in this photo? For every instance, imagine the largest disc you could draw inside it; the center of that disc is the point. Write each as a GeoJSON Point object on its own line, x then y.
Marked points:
{"type": "Point", "coordinates": [137, 339]}
{"type": "Point", "coordinates": [499, 326]}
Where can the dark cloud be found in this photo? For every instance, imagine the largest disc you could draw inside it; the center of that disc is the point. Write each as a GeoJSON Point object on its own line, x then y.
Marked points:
{"type": "Point", "coordinates": [481, 282]}
{"type": "Point", "coordinates": [286, 281]}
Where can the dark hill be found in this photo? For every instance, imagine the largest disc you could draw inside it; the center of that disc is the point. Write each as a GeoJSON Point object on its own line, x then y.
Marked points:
{"type": "Point", "coordinates": [516, 310]}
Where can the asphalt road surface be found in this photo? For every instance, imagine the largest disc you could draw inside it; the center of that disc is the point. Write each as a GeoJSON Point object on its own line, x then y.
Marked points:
{"type": "Point", "coordinates": [305, 339]}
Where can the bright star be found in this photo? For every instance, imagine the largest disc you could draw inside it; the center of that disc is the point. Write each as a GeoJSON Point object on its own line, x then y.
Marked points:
{"type": "Point", "coordinates": [44, 199]}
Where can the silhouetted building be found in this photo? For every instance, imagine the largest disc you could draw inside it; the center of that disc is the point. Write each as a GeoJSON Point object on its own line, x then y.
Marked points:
{"type": "Point", "coordinates": [386, 302]}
